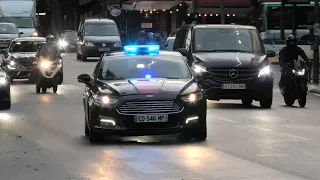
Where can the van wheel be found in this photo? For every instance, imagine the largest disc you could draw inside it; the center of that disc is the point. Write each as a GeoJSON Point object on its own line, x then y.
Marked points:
{"type": "Point", "coordinates": [55, 88]}
{"type": "Point", "coordinates": [44, 90]}
{"type": "Point", "coordinates": [266, 102]}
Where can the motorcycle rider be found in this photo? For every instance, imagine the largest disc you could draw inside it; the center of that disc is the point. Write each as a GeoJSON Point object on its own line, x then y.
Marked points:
{"type": "Point", "coordinates": [288, 54]}
{"type": "Point", "coordinates": [142, 38]}
{"type": "Point", "coordinates": [50, 50]}
{"type": "Point", "coordinates": [151, 38]}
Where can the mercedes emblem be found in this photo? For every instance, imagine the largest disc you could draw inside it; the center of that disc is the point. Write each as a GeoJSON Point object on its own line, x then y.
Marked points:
{"type": "Point", "coordinates": [104, 44]}
{"type": "Point", "coordinates": [233, 73]}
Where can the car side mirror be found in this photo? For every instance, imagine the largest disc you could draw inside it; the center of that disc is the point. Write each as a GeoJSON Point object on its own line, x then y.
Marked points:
{"type": "Point", "coordinates": [183, 51]}
{"type": "Point", "coordinates": [84, 78]}
{"type": "Point", "coordinates": [20, 34]}
{"type": "Point", "coordinates": [3, 51]}
{"type": "Point", "coordinates": [166, 45]}
{"type": "Point", "coordinates": [271, 53]}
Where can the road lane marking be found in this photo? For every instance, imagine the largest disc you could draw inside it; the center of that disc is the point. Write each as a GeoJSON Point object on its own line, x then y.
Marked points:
{"type": "Point", "coordinates": [260, 128]}
{"type": "Point", "coordinates": [228, 120]}
{"type": "Point", "coordinates": [294, 136]}
{"type": "Point", "coordinates": [145, 167]}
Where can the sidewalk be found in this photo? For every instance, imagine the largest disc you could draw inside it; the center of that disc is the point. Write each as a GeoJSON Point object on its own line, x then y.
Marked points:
{"type": "Point", "coordinates": [313, 88]}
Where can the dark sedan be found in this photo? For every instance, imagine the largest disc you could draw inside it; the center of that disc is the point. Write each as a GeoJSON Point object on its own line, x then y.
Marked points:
{"type": "Point", "coordinates": [19, 57]}
{"type": "Point", "coordinates": [153, 94]}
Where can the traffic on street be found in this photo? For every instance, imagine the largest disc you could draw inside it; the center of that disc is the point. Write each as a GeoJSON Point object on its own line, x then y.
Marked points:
{"type": "Point", "coordinates": [42, 137]}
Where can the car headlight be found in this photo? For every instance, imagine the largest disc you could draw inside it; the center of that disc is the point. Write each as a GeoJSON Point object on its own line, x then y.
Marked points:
{"type": "Point", "coordinates": [63, 43]}
{"type": "Point", "coordinates": [104, 100]}
{"type": "Point", "coordinates": [88, 44]}
{"type": "Point", "coordinates": [35, 34]}
{"type": "Point", "coordinates": [45, 64]}
{"type": "Point", "coordinates": [300, 73]}
{"type": "Point", "coordinates": [198, 69]}
{"type": "Point", "coordinates": [11, 64]}
{"type": "Point", "coordinates": [265, 71]}
{"type": "Point", "coordinates": [117, 44]}
{"type": "Point", "coordinates": [192, 97]}
{"type": "Point", "coordinates": [3, 80]}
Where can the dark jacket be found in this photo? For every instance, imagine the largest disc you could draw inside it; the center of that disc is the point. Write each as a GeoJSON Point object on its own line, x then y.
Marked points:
{"type": "Point", "coordinates": [50, 51]}
{"type": "Point", "coordinates": [289, 54]}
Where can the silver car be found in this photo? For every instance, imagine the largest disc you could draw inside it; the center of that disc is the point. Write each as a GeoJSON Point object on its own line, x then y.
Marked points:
{"type": "Point", "coordinates": [8, 31]}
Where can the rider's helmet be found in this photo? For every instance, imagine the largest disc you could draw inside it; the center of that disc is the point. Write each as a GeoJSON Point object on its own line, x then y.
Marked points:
{"type": "Point", "coordinates": [291, 40]}
{"type": "Point", "coordinates": [50, 39]}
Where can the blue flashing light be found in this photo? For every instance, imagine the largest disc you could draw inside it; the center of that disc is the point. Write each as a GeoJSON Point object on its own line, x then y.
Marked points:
{"type": "Point", "coordinates": [142, 49]}
{"type": "Point", "coordinates": [148, 76]}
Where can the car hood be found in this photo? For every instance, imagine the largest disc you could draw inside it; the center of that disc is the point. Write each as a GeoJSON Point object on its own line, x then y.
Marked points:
{"type": "Point", "coordinates": [27, 32]}
{"type": "Point", "coordinates": [155, 86]}
{"type": "Point", "coordinates": [246, 60]}
{"type": "Point", "coordinates": [102, 38]}
{"type": "Point", "coordinates": [18, 56]}
{"type": "Point", "coordinates": [8, 36]}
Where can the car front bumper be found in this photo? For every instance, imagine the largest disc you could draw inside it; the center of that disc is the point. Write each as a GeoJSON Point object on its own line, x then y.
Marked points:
{"type": "Point", "coordinates": [124, 125]}
{"type": "Point", "coordinates": [255, 89]}
{"type": "Point", "coordinates": [95, 51]}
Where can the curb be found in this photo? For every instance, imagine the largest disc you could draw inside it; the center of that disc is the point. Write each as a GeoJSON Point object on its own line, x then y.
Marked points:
{"type": "Point", "coordinates": [314, 89]}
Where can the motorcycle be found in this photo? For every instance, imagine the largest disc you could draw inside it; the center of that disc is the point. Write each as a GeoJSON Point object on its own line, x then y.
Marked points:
{"type": "Point", "coordinates": [295, 86]}
{"type": "Point", "coordinates": [49, 74]}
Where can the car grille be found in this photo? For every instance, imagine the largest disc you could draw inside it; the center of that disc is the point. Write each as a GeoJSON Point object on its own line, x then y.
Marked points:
{"type": "Point", "coordinates": [150, 107]}
{"type": "Point", "coordinates": [244, 74]}
{"type": "Point", "coordinates": [107, 45]}
{"type": "Point", "coordinates": [27, 63]}
{"type": "Point", "coordinates": [4, 43]}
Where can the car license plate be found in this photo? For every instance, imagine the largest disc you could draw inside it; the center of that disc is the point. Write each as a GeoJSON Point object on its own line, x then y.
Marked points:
{"type": "Point", "coordinates": [233, 86]}
{"type": "Point", "coordinates": [104, 49]}
{"type": "Point", "coordinates": [150, 118]}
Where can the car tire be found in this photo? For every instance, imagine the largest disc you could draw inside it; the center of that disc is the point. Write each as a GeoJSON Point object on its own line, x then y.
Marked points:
{"type": "Point", "coordinates": [94, 137]}
{"type": "Point", "coordinates": [247, 102]}
{"type": "Point", "coordinates": [200, 132]}
{"type": "Point", "coordinates": [6, 104]}
{"type": "Point", "coordinates": [266, 102]}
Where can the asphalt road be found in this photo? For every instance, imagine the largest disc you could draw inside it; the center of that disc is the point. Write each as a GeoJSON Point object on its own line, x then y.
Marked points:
{"type": "Point", "coordinates": [42, 137]}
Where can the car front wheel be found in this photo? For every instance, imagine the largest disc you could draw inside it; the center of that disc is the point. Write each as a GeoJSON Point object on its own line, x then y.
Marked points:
{"type": "Point", "coordinates": [266, 102]}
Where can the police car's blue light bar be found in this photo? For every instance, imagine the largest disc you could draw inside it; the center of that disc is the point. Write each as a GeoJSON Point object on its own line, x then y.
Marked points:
{"type": "Point", "coordinates": [141, 49]}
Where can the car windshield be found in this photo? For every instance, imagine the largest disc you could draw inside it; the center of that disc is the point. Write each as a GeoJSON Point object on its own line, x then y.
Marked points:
{"type": "Point", "coordinates": [25, 46]}
{"type": "Point", "coordinates": [8, 29]}
{"type": "Point", "coordinates": [70, 34]}
{"type": "Point", "coordinates": [20, 22]}
{"type": "Point", "coordinates": [227, 40]}
{"type": "Point", "coordinates": [119, 68]}
{"type": "Point", "coordinates": [101, 30]}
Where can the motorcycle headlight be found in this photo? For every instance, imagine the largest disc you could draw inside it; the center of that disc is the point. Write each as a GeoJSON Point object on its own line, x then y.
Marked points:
{"type": "Point", "coordinates": [300, 73]}
{"type": "Point", "coordinates": [192, 97]}
{"type": "Point", "coordinates": [45, 64]}
{"type": "Point", "coordinates": [88, 44]}
{"type": "Point", "coordinates": [265, 71]}
{"type": "Point", "coordinates": [117, 44]}
{"type": "Point", "coordinates": [104, 100]}
{"type": "Point", "coordinates": [3, 80]}
{"type": "Point", "coordinates": [63, 43]}
{"type": "Point", "coordinates": [198, 69]}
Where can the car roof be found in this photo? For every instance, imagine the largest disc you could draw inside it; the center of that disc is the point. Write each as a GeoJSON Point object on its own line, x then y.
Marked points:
{"type": "Point", "coordinates": [30, 39]}
{"type": "Point", "coordinates": [161, 53]}
{"type": "Point", "coordinates": [98, 20]}
{"type": "Point", "coordinates": [231, 26]}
